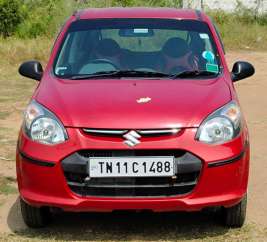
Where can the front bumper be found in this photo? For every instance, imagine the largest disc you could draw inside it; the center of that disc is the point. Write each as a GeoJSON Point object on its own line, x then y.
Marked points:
{"type": "Point", "coordinates": [221, 182]}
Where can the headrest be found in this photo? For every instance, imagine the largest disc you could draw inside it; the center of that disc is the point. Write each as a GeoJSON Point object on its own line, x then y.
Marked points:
{"type": "Point", "coordinates": [108, 47]}
{"type": "Point", "coordinates": [175, 48]}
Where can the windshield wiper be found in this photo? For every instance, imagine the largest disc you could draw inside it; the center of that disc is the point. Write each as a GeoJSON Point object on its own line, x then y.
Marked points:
{"type": "Point", "coordinates": [120, 73]}
{"type": "Point", "coordinates": [195, 73]}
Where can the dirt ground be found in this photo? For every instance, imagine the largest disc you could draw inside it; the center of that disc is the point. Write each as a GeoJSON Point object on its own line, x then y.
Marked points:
{"type": "Point", "coordinates": [147, 227]}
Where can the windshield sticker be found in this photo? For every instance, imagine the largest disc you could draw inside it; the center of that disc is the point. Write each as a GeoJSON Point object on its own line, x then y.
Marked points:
{"type": "Point", "coordinates": [204, 36]}
{"type": "Point", "coordinates": [209, 56]}
{"type": "Point", "coordinates": [212, 68]}
{"type": "Point", "coordinates": [60, 70]}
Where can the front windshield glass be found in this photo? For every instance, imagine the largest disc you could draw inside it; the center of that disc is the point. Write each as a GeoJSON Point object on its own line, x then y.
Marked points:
{"type": "Point", "coordinates": [130, 46]}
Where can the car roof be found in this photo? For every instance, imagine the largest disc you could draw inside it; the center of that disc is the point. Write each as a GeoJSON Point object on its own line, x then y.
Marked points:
{"type": "Point", "coordinates": [170, 13]}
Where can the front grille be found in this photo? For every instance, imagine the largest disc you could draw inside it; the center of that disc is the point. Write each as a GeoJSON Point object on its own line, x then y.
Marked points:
{"type": "Point", "coordinates": [121, 153]}
{"type": "Point", "coordinates": [76, 173]}
{"type": "Point", "coordinates": [142, 132]}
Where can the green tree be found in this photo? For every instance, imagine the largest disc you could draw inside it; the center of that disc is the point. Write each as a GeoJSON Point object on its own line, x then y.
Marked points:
{"type": "Point", "coordinates": [41, 18]}
{"type": "Point", "coordinates": [10, 16]}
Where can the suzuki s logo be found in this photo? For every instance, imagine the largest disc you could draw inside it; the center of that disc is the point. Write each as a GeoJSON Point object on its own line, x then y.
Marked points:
{"type": "Point", "coordinates": [132, 138]}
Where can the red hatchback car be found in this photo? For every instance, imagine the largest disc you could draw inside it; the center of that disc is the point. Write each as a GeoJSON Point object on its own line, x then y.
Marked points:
{"type": "Point", "coordinates": [136, 110]}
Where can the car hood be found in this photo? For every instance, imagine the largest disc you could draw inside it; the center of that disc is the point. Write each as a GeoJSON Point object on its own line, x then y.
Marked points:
{"type": "Point", "coordinates": [132, 104]}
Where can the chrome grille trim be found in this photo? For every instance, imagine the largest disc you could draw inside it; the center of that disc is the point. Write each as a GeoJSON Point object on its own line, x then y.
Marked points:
{"type": "Point", "coordinates": [105, 131]}
{"type": "Point", "coordinates": [139, 131]}
{"type": "Point", "coordinates": [158, 131]}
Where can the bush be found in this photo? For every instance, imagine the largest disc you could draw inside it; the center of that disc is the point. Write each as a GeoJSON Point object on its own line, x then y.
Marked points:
{"type": "Point", "coordinates": [10, 16]}
{"type": "Point", "coordinates": [241, 15]}
{"type": "Point", "coordinates": [39, 18]}
{"type": "Point", "coordinates": [245, 28]}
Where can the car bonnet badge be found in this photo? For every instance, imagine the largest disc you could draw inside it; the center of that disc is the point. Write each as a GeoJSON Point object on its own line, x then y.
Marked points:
{"type": "Point", "coordinates": [143, 100]}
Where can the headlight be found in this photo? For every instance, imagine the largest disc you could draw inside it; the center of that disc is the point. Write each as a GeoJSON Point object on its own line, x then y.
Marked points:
{"type": "Point", "coordinates": [221, 126]}
{"type": "Point", "coordinates": [43, 126]}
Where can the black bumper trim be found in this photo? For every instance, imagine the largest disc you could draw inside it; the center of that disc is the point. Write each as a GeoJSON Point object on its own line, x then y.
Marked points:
{"type": "Point", "coordinates": [191, 183]}
{"type": "Point", "coordinates": [35, 161]}
{"type": "Point", "coordinates": [226, 162]}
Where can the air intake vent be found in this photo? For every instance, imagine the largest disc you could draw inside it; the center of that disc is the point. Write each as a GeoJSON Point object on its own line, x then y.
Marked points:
{"type": "Point", "coordinates": [75, 169]}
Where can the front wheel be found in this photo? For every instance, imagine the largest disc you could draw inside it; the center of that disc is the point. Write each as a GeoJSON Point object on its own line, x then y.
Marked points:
{"type": "Point", "coordinates": [235, 216]}
{"type": "Point", "coordinates": [35, 217]}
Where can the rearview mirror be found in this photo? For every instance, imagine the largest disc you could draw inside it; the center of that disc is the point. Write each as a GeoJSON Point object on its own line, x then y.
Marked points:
{"type": "Point", "coordinates": [31, 69]}
{"type": "Point", "coordinates": [241, 70]}
{"type": "Point", "coordinates": [136, 32]}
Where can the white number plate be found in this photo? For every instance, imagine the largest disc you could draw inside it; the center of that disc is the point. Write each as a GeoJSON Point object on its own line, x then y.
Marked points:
{"type": "Point", "coordinates": [131, 166]}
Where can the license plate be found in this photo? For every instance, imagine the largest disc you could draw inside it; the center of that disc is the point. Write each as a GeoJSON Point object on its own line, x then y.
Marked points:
{"type": "Point", "coordinates": [131, 166]}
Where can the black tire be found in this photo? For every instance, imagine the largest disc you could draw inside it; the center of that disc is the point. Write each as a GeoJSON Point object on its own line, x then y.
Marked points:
{"type": "Point", "coordinates": [35, 217]}
{"type": "Point", "coordinates": [235, 216]}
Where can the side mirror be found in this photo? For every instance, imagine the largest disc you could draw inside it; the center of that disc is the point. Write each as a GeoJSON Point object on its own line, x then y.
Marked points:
{"type": "Point", "coordinates": [241, 70]}
{"type": "Point", "coordinates": [31, 69]}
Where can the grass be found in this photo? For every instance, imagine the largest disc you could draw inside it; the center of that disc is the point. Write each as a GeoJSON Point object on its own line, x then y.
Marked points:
{"type": "Point", "coordinates": [15, 50]}
{"type": "Point", "coordinates": [240, 36]}
{"type": "Point", "coordinates": [138, 227]}
{"type": "Point", "coordinates": [8, 141]}
{"type": "Point", "coordinates": [127, 227]}
{"type": "Point", "coordinates": [6, 186]}
{"type": "Point", "coordinates": [14, 92]}
{"type": "Point", "coordinates": [241, 32]}
{"type": "Point", "coordinates": [3, 115]}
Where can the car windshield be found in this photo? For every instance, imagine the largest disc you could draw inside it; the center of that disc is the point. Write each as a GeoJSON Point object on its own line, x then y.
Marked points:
{"type": "Point", "coordinates": [137, 47]}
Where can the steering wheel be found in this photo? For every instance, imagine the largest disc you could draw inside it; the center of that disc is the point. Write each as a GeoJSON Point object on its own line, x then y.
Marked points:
{"type": "Point", "coordinates": [103, 61]}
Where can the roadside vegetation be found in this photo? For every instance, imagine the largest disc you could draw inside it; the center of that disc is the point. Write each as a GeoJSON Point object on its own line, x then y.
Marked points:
{"type": "Point", "coordinates": [127, 227]}
{"type": "Point", "coordinates": [28, 27]}
{"type": "Point", "coordinates": [7, 185]}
